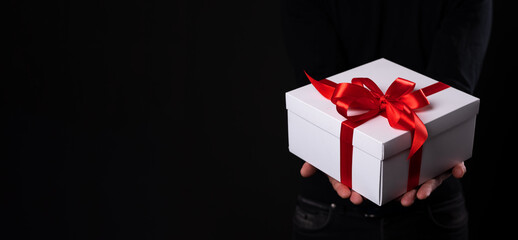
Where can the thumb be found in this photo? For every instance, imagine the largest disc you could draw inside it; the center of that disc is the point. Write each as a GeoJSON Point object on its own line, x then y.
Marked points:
{"type": "Point", "coordinates": [307, 170]}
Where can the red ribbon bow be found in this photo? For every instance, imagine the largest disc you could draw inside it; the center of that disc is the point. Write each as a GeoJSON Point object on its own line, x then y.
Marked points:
{"type": "Point", "coordinates": [397, 105]}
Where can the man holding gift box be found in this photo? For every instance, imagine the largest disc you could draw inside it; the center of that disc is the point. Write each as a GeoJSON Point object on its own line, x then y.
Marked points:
{"type": "Point", "coordinates": [445, 40]}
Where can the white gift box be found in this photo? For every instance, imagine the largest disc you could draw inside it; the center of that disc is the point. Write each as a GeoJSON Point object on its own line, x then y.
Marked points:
{"type": "Point", "coordinates": [379, 162]}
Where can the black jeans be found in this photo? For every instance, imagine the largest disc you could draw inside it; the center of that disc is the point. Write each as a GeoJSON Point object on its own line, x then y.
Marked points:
{"type": "Point", "coordinates": [446, 219]}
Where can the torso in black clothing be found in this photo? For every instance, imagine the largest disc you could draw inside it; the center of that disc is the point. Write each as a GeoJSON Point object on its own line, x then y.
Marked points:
{"type": "Point", "coordinates": [445, 40]}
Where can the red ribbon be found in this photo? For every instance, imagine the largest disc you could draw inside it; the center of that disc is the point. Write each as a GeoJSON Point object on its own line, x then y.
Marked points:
{"type": "Point", "coordinates": [397, 104]}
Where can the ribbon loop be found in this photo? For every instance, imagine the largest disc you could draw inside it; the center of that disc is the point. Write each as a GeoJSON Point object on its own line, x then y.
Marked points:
{"type": "Point", "coordinates": [399, 88]}
{"type": "Point", "coordinates": [415, 100]}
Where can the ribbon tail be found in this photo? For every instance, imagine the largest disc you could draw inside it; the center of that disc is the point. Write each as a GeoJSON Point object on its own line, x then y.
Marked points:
{"type": "Point", "coordinates": [324, 87]}
{"type": "Point", "coordinates": [414, 170]}
{"type": "Point", "coordinates": [419, 136]}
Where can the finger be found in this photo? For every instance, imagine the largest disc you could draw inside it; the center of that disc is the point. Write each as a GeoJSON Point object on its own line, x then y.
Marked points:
{"type": "Point", "coordinates": [408, 198]}
{"type": "Point", "coordinates": [307, 170]}
{"type": "Point", "coordinates": [459, 170]}
{"type": "Point", "coordinates": [427, 188]}
{"type": "Point", "coordinates": [356, 198]}
{"type": "Point", "coordinates": [342, 190]}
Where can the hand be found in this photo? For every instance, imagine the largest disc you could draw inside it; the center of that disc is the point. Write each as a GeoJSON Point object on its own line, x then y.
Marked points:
{"type": "Point", "coordinates": [427, 187]}
{"type": "Point", "coordinates": [342, 190]}
{"type": "Point", "coordinates": [407, 199]}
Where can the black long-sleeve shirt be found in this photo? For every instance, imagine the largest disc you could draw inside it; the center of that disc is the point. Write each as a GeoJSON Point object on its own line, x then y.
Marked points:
{"type": "Point", "coordinates": [443, 39]}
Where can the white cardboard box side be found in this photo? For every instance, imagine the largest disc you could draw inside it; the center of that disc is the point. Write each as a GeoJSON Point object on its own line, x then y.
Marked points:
{"type": "Point", "coordinates": [311, 143]}
{"type": "Point", "coordinates": [456, 145]}
{"type": "Point", "coordinates": [379, 181]}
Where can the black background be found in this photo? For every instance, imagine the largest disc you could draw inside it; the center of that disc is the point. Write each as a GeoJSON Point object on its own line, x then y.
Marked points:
{"type": "Point", "coordinates": [153, 120]}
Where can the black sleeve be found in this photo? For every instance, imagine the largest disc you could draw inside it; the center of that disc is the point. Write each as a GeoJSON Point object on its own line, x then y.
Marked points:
{"type": "Point", "coordinates": [460, 44]}
{"type": "Point", "coordinates": [311, 41]}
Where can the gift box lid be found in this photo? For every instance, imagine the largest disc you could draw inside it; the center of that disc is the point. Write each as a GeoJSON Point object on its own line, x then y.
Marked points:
{"type": "Point", "coordinates": [447, 108]}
